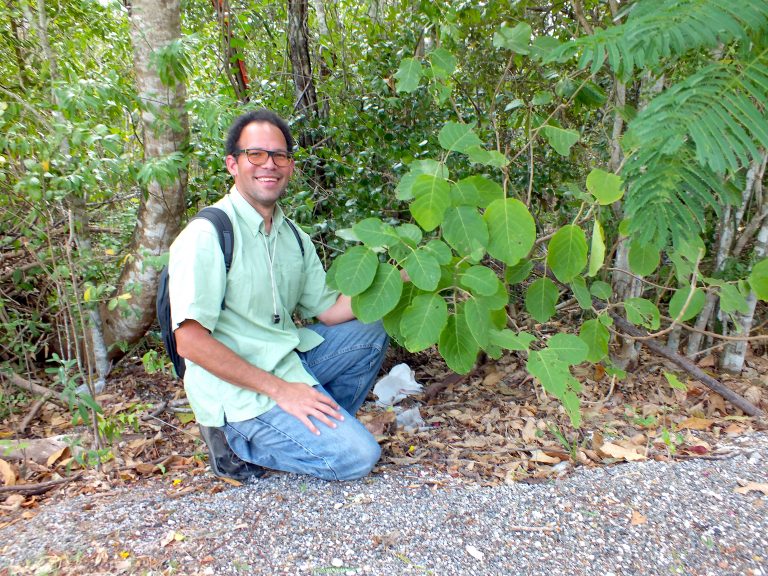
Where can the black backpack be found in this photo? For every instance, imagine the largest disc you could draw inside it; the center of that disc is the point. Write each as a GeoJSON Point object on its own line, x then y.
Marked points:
{"type": "Point", "coordinates": [223, 226]}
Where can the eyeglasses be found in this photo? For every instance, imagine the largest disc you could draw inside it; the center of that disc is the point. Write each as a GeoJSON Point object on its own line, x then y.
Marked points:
{"type": "Point", "coordinates": [258, 157]}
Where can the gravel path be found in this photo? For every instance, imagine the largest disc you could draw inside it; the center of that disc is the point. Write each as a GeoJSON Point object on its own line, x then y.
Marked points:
{"type": "Point", "coordinates": [652, 518]}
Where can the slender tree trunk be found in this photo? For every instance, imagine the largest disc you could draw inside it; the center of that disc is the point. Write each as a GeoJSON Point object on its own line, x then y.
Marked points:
{"type": "Point", "coordinates": [298, 47]}
{"type": "Point", "coordinates": [735, 352]}
{"type": "Point", "coordinates": [232, 63]}
{"type": "Point", "coordinates": [153, 26]}
{"type": "Point", "coordinates": [625, 285]}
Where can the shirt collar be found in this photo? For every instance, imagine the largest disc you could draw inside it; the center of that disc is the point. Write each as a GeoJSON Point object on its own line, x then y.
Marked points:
{"type": "Point", "coordinates": [250, 216]}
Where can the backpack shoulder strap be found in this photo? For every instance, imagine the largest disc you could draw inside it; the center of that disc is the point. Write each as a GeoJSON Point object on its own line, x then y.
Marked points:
{"type": "Point", "coordinates": [296, 233]}
{"type": "Point", "coordinates": [223, 225]}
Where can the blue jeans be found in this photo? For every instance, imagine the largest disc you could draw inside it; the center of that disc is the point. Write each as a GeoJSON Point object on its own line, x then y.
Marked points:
{"type": "Point", "coordinates": [345, 365]}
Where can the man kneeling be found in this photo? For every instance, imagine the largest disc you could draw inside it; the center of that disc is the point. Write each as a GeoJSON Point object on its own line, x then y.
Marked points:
{"type": "Point", "coordinates": [265, 393]}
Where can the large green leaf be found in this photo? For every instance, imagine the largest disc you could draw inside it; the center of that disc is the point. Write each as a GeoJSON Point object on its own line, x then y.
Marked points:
{"type": "Point", "coordinates": [758, 279]}
{"type": "Point", "coordinates": [553, 375]}
{"type": "Point", "coordinates": [580, 290]}
{"type": "Point", "coordinates": [481, 280]}
{"type": "Point", "coordinates": [569, 348]}
{"type": "Point", "coordinates": [408, 75]}
{"type": "Point", "coordinates": [355, 270]}
{"type": "Point", "coordinates": [457, 345]}
{"type": "Point", "coordinates": [596, 337]}
{"type": "Point", "coordinates": [597, 253]}
{"type": "Point", "coordinates": [374, 233]}
{"type": "Point", "coordinates": [432, 200]}
{"type": "Point", "coordinates": [604, 186]}
{"type": "Point", "coordinates": [516, 39]}
{"type": "Point", "coordinates": [567, 252]}
{"type": "Point", "coordinates": [439, 250]}
{"type": "Point", "coordinates": [480, 155]}
{"type": "Point", "coordinates": [511, 228]}
{"type": "Point", "coordinates": [479, 321]}
{"type": "Point", "coordinates": [541, 298]}
{"type": "Point", "coordinates": [423, 269]}
{"type": "Point", "coordinates": [642, 312]}
{"type": "Point", "coordinates": [423, 321]}
{"type": "Point", "coordinates": [381, 296]}
{"type": "Point", "coordinates": [443, 63]}
{"type": "Point", "coordinates": [511, 341]}
{"type": "Point", "coordinates": [694, 306]}
{"type": "Point", "coordinates": [417, 168]}
{"type": "Point", "coordinates": [392, 318]}
{"type": "Point", "coordinates": [732, 300]}
{"type": "Point", "coordinates": [458, 137]}
{"type": "Point", "coordinates": [560, 139]}
{"type": "Point", "coordinates": [476, 191]}
{"type": "Point", "coordinates": [643, 259]}
{"type": "Point", "coordinates": [519, 272]}
{"type": "Point", "coordinates": [464, 229]}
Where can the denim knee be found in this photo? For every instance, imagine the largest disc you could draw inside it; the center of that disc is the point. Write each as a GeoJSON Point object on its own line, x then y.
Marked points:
{"type": "Point", "coordinates": [359, 462]}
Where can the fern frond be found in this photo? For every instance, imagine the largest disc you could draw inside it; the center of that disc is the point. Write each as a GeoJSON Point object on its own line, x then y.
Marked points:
{"type": "Point", "coordinates": [717, 109]}
{"type": "Point", "coordinates": [662, 29]}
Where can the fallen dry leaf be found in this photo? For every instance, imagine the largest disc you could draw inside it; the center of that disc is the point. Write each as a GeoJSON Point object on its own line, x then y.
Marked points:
{"type": "Point", "coordinates": [638, 519]}
{"type": "Point", "coordinates": [56, 455]}
{"type": "Point", "coordinates": [733, 428]}
{"type": "Point", "coordinates": [8, 473]}
{"type": "Point", "coordinates": [541, 457]}
{"type": "Point", "coordinates": [616, 451]}
{"type": "Point", "coordinates": [752, 486]}
{"type": "Point", "coordinates": [695, 423]}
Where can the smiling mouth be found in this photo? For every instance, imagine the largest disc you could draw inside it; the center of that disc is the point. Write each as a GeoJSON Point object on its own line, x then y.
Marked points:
{"type": "Point", "coordinates": [266, 179]}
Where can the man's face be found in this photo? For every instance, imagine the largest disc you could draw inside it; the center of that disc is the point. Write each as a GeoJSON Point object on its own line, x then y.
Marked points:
{"type": "Point", "coordinates": [263, 185]}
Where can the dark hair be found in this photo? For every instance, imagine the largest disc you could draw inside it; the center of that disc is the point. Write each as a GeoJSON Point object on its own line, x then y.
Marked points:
{"type": "Point", "coordinates": [261, 115]}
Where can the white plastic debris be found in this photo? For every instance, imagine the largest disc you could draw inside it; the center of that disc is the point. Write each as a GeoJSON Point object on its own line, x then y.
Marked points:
{"type": "Point", "coordinates": [398, 384]}
{"type": "Point", "coordinates": [410, 419]}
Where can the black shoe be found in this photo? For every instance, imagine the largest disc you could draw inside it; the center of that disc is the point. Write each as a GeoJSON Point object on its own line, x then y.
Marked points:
{"type": "Point", "coordinates": [224, 462]}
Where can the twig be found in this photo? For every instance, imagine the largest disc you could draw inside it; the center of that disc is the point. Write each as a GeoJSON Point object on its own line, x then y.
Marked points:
{"type": "Point", "coordinates": [34, 410]}
{"type": "Point", "coordinates": [691, 368]}
{"type": "Point", "coordinates": [20, 382]}
{"type": "Point", "coordinates": [39, 488]}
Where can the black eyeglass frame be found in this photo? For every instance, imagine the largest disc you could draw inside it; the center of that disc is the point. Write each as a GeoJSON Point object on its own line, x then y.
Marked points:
{"type": "Point", "coordinates": [270, 154]}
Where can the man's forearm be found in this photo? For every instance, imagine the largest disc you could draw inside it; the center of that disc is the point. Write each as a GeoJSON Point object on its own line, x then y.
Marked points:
{"type": "Point", "coordinates": [194, 343]}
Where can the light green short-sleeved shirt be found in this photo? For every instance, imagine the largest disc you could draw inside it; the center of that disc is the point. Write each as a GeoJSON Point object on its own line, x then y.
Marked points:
{"type": "Point", "coordinates": [199, 283]}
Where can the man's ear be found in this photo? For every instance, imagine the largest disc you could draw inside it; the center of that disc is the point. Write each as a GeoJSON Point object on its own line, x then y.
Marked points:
{"type": "Point", "coordinates": [231, 165]}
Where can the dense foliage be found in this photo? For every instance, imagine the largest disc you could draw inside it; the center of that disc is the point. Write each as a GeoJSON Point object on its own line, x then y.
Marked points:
{"type": "Point", "coordinates": [498, 152]}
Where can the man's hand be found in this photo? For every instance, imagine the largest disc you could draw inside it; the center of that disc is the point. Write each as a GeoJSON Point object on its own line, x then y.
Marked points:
{"type": "Point", "coordinates": [302, 401]}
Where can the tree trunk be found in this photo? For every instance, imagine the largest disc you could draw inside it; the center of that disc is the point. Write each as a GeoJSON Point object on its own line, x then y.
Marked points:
{"type": "Point", "coordinates": [625, 285]}
{"type": "Point", "coordinates": [232, 63]}
{"type": "Point", "coordinates": [153, 26]}
{"type": "Point", "coordinates": [735, 352]}
{"type": "Point", "coordinates": [298, 47]}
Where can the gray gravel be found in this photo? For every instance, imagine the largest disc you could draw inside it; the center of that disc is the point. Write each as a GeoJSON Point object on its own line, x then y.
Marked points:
{"type": "Point", "coordinates": [412, 521]}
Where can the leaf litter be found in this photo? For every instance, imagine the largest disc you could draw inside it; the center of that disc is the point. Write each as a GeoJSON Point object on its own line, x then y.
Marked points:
{"type": "Point", "coordinates": [493, 426]}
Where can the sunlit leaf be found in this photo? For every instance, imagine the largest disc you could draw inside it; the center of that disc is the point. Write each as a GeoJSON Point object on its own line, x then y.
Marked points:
{"type": "Point", "coordinates": [464, 229]}
{"type": "Point", "coordinates": [567, 252]}
{"type": "Point", "coordinates": [408, 75]}
{"type": "Point", "coordinates": [380, 297]}
{"type": "Point", "coordinates": [596, 337]}
{"type": "Point", "coordinates": [560, 139]}
{"type": "Point", "coordinates": [511, 228]}
{"type": "Point", "coordinates": [604, 186]}
{"type": "Point", "coordinates": [458, 137]}
{"type": "Point", "coordinates": [355, 270]}
{"type": "Point", "coordinates": [541, 298]}
{"type": "Point", "coordinates": [457, 345]}
{"type": "Point", "coordinates": [423, 321]}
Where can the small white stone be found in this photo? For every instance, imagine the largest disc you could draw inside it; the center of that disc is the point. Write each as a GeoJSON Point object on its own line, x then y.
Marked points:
{"type": "Point", "coordinates": [337, 563]}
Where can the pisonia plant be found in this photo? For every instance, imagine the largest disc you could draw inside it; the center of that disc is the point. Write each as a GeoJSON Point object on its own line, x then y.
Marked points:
{"type": "Point", "coordinates": [469, 245]}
